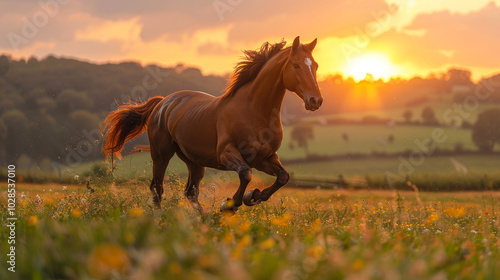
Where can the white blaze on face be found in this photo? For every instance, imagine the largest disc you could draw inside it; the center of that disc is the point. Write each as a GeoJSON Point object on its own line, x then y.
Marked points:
{"type": "Point", "coordinates": [308, 62]}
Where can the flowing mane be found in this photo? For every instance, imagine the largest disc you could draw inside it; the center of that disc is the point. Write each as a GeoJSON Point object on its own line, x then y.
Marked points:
{"type": "Point", "coordinates": [247, 69]}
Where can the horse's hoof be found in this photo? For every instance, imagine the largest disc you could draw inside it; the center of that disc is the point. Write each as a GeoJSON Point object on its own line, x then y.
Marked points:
{"type": "Point", "coordinates": [228, 206]}
{"type": "Point", "coordinates": [249, 198]}
{"type": "Point", "coordinates": [197, 206]}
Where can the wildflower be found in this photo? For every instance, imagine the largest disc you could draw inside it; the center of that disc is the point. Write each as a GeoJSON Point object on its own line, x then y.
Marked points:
{"type": "Point", "coordinates": [244, 227]}
{"type": "Point", "coordinates": [108, 259]}
{"type": "Point", "coordinates": [76, 213]}
{"type": "Point", "coordinates": [176, 268]}
{"type": "Point", "coordinates": [227, 238]}
{"type": "Point", "coordinates": [315, 252]}
{"type": "Point", "coordinates": [244, 241]}
{"type": "Point", "coordinates": [281, 221]}
{"type": "Point", "coordinates": [230, 220]}
{"type": "Point", "coordinates": [32, 221]}
{"type": "Point", "coordinates": [205, 261]}
{"type": "Point", "coordinates": [455, 212]}
{"type": "Point", "coordinates": [48, 201]}
{"type": "Point", "coordinates": [433, 217]}
{"type": "Point", "coordinates": [358, 264]}
{"type": "Point", "coordinates": [136, 212]}
{"type": "Point", "coordinates": [267, 244]}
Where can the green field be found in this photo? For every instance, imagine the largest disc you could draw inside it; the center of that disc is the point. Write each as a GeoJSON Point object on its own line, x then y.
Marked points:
{"type": "Point", "coordinates": [372, 138]}
{"type": "Point", "coordinates": [115, 233]}
{"type": "Point", "coordinates": [138, 166]}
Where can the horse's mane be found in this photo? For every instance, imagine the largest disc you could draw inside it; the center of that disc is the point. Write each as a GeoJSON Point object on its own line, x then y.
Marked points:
{"type": "Point", "coordinates": [247, 69]}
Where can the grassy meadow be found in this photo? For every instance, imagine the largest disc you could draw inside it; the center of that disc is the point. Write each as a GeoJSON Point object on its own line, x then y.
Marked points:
{"type": "Point", "coordinates": [357, 232]}
{"type": "Point", "coordinates": [64, 232]}
{"type": "Point", "coordinates": [366, 139]}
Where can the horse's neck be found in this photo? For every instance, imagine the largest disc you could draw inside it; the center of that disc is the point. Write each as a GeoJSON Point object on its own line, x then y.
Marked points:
{"type": "Point", "coordinates": [266, 92]}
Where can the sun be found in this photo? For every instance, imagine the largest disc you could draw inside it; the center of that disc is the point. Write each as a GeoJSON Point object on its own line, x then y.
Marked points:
{"type": "Point", "coordinates": [376, 64]}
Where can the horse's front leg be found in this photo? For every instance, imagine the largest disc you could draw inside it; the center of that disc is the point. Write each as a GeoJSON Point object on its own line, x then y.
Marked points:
{"type": "Point", "coordinates": [271, 166]}
{"type": "Point", "coordinates": [231, 158]}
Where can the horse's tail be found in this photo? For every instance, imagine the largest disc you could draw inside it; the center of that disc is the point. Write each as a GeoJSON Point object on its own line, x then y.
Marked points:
{"type": "Point", "coordinates": [126, 123]}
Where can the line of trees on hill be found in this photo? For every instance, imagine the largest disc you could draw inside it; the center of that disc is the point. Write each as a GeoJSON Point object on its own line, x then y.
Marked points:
{"type": "Point", "coordinates": [47, 107]}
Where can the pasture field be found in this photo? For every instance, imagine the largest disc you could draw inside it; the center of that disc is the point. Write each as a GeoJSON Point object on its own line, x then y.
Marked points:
{"type": "Point", "coordinates": [366, 139]}
{"type": "Point", "coordinates": [115, 233]}
{"type": "Point", "coordinates": [439, 170]}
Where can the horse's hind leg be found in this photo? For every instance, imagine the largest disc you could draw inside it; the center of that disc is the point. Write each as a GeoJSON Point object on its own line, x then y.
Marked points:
{"type": "Point", "coordinates": [231, 158]}
{"type": "Point", "coordinates": [271, 166]}
{"type": "Point", "coordinates": [161, 155]}
{"type": "Point", "coordinates": [192, 189]}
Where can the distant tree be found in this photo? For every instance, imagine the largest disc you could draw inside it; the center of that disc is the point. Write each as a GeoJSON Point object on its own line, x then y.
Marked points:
{"type": "Point", "coordinates": [429, 116]}
{"type": "Point", "coordinates": [24, 162]}
{"type": "Point", "coordinates": [345, 137]}
{"type": "Point", "coordinates": [3, 138]}
{"type": "Point", "coordinates": [466, 124]}
{"type": "Point", "coordinates": [69, 100]}
{"type": "Point", "coordinates": [17, 132]}
{"type": "Point", "coordinates": [33, 96]}
{"type": "Point", "coordinates": [407, 115]}
{"type": "Point", "coordinates": [45, 104]}
{"type": "Point", "coordinates": [302, 133]}
{"type": "Point", "coordinates": [486, 130]}
{"type": "Point", "coordinates": [4, 65]}
{"type": "Point", "coordinates": [390, 139]}
{"type": "Point", "coordinates": [459, 76]}
{"type": "Point", "coordinates": [82, 119]}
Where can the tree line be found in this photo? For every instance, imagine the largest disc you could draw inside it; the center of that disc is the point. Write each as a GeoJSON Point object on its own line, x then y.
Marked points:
{"type": "Point", "coordinates": [48, 106]}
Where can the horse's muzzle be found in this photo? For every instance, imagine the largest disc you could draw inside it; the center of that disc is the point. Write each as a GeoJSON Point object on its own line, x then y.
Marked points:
{"type": "Point", "coordinates": [313, 103]}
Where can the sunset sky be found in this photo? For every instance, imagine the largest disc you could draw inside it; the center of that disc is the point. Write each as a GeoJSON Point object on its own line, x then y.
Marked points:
{"type": "Point", "coordinates": [385, 38]}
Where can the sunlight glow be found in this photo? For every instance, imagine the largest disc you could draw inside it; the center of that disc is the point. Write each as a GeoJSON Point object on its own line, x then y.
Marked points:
{"type": "Point", "coordinates": [376, 64]}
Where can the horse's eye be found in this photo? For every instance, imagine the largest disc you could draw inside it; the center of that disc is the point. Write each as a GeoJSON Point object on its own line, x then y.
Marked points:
{"type": "Point", "coordinates": [296, 65]}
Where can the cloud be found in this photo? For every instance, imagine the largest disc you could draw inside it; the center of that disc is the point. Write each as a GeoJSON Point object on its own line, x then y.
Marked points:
{"type": "Point", "coordinates": [445, 38]}
{"type": "Point", "coordinates": [105, 31]}
{"type": "Point", "coordinates": [212, 33]}
{"type": "Point", "coordinates": [214, 49]}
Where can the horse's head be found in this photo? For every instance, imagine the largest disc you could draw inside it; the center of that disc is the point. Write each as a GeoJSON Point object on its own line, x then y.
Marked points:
{"type": "Point", "coordinates": [299, 74]}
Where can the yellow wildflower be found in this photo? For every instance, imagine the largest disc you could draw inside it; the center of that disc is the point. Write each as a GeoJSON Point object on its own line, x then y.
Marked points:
{"type": "Point", "coordinates": [432, 218]}
{"type": "Point", "coordinates": [107, 259]}
{"type": "Point", "coordinates": [281, 221]}
{"type": "Point", "coordinates": [76, 213]}
{"type": "Point", "coordinates": [136, 212]}
{"type": "Point", "coordinates": [267, 244]}
{"type": "Point", "coordinates": [455, 212]}
{"type": "Point", "coordinates": [32, 221]}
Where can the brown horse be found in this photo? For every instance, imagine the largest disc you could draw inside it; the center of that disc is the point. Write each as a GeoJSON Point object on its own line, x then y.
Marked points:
{"type": "Point", "coordinates": [239, 130]}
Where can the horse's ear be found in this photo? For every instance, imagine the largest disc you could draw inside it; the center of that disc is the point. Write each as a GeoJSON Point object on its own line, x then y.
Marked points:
{"type": "Point", "coordinates": [311, 45]}
{"type": "Point", "coordinates": [296, 43]}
